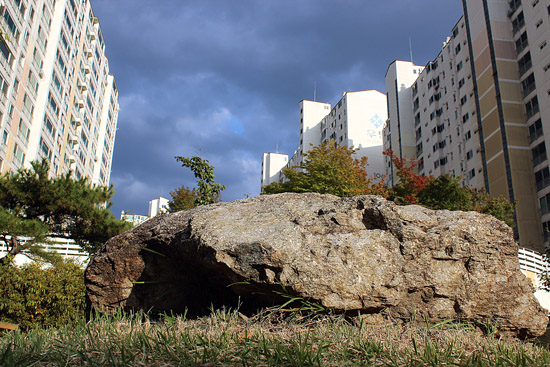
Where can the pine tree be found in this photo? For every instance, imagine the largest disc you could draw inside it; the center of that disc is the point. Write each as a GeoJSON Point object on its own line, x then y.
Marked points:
{"type": "Point", "coordinates": [35, 208]}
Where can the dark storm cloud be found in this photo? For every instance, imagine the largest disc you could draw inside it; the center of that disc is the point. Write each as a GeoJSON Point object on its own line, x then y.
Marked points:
{"type": "Point", "coordinates": [223, 79]}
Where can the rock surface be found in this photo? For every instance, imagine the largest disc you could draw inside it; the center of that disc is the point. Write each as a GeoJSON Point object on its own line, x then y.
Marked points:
{"type": "Point", "coordinates": [352, 254]}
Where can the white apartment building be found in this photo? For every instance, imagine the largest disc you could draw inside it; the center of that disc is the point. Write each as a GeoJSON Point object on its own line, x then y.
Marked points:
{"type": "Point", "coordinates": [480, 110]}
{"type": "Point", "coordinates": [356, 120]}
{"type": "Point", "coordinates": [57, 98]}
{"type": "Point", "coordinates": [272, 164]}
{"type": "Point", "coordinates": [156, 206]}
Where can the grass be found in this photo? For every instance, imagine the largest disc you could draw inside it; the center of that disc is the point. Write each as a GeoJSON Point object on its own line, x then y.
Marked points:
{"type": "Point", "coordinates": [228, 338]}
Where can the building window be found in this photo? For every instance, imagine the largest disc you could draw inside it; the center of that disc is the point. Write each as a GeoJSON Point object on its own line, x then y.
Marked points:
{"type": "Point", "coordinates": [465, 118]}
{"type": "Point", "coordinates": [468, 135]}
{"type": "Point", "coordinates": [528, 85]}
{"type": "Point", "coordinates": [535, 130]}
{"type": "Point", "coordinates": [542, 178]}
{"type": "Point", "coordinates": [522, 42]}
{"type": "Point", "coordinates": [518, 22]}
{"type": "Point", "coordinates": [459, 66]}
{"type": "Point", "coordinates": [532, 107]}
{"type": "Point", "coordinates": [469, 154]}
{"type": "Point", "coordinates": [472, 174]}
{"type": "Point", "coordinates": [544, 204]}
{"type": "Point", "coordinates": [463, 100]}
{"type": "Point", "coordinates": [525, 63]}
{"type": "Point", "coordinates": [539, 154]}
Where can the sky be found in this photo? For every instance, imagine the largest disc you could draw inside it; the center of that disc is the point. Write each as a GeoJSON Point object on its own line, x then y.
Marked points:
{"type": "Point", "coordinates": [222, 79]}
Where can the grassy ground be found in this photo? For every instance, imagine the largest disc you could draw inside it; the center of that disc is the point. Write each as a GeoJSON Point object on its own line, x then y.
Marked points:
{"type": "Point", "coordinates": [230, 339]}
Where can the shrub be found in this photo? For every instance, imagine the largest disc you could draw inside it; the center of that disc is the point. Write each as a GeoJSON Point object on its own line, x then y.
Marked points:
{"type": "Point", "coordinates": [36, 295]}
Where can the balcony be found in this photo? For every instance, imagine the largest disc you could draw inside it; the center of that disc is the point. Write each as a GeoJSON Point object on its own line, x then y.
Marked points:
{"type": "Point", "coordinates": [525, 67]}
{"type": "Point", "coordinates": [539, 158]}
{"type": "Point", "coordinates": [527, 89]}
{"type": "Point", "coordinates": [542, 183]}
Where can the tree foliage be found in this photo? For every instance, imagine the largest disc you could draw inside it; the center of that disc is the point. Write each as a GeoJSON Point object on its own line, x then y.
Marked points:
{"type": "Point", "coordinates": [182, 198]}
{"type": "Point", "coordinates": [410, 184]}
{"type": "Point", "coordinates": [445, 192]}
{"type": "Point", "coordinates": [35, 295]}
{"type": "Point", "coordinates": [328, 169]}
{"type": "Point", "coordinates": [35, 207]}
{"type": "Point", "coordinates": [207, 191]}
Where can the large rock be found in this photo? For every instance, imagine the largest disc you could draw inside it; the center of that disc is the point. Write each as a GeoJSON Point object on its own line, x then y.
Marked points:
{"type": "Point", "coordinates": [352, 254]}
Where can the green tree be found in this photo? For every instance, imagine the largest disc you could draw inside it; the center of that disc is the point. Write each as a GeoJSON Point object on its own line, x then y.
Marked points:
{"type": "Point", "coordinates": [208, 191]}
{"type": "Point", "coordinates": [499, 207]}
{"type": "Point", "coordinates": [35, 207]}
{"type": "Point", "coordinates": [445, 192]}
{"type": "Point", "coordinates": [182, 198]}
{"type": "Point", "coordinates": [35, 295]}
{"type": "Point", "coordinates": [328, 169]}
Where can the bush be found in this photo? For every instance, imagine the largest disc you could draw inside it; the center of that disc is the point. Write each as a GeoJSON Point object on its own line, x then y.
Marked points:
{"type": "Point", "coordinates": [39, 296]}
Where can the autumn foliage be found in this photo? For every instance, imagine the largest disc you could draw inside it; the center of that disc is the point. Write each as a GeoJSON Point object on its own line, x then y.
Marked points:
{"type": "Point", "coordinates": [444, 192]}
{"type": "Point", "coordinates": [329, 169]}
{"type": "Point", "coordinates": [410, 184]}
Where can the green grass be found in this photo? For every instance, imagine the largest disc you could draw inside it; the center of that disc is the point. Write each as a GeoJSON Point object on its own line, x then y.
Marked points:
{"type": "Point", "coordinates": [227, 338]}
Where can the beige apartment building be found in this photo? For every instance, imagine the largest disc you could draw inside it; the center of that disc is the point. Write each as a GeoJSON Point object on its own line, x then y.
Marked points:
{"type": "Point", "coordinates": [57, 97]}
{"type": "Point", "coordinates": [480, 109]}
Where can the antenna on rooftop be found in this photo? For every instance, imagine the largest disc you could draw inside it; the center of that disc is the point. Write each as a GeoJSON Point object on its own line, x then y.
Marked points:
{"type": "Point", "coordinates": [277, 148]}
{"type": "Point", "coordinates": [315, 91]}
{"type": "Point", "coordinates": [411, 48]}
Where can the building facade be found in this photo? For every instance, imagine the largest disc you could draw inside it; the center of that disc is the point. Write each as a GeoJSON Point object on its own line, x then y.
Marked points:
{"type": "Point", "coordinates": [272, 164]}
{"type": "Point", "coordinates": [480, 109]}
{"type": "Point", "coordinates": [156, 206]}
{"type": "Point", "coordinates": [57, 98]}
{"type": "Point", "coordinates": [356, 120]}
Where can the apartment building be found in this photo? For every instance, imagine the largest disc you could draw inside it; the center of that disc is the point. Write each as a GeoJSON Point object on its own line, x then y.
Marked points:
{"type": "Point", "coordinates": [156, 206]}
{"type": "Point", "coordinates": [272, 164]}
{"type": "Point", "coordinates": [57, 98]}
{"type": "Point", "coordinates": [480, 109]}
{"type": "Point", "coordinates": [356, 120]}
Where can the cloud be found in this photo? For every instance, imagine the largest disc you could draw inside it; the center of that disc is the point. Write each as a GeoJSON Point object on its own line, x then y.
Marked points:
{"type": "Point", "coordinates": [223, 79]}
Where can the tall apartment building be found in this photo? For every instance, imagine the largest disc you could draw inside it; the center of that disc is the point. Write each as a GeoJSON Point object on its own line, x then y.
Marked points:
{"type": "Point", "coordinates": [480, 110]}
{"type": "Point", "coordinates": [57, 98]}
{"type": "Point", "coordinates": [356, 120]}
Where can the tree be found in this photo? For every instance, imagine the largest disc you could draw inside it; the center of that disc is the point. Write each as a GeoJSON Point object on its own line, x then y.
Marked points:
{"type": "Point", "coordinates": [499, 207]}
{"type": "Point", "coordinates": [182, 198]}
{"type": "Point", "coordinates": [445, 192]}
{"type": "Point", "coordinates": [208, 191]}
{"type": "Point", "coordinates": [410, 184]}
{"type": "Point", "coordinates": [35, 208]}
{"type": "Point", "coordinates": [328, 169]}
